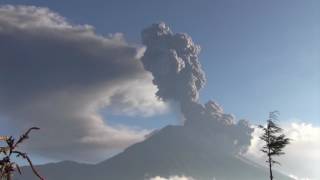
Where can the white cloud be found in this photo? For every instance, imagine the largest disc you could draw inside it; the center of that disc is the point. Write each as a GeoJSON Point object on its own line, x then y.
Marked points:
{"type": "Point", "coordinates": [137, 98]}
{"type": "Point", "coordinates": [172, 178]}
{"type": "Point", "coordinates": [297, 178]}
{"type": "Point", "coordinates": [302, 158]}
{"type": "Point", "coordinates": [58, 76]}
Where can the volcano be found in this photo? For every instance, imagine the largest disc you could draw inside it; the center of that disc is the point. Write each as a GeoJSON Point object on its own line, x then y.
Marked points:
{"type": "Point", "coordinates": [173, 150]}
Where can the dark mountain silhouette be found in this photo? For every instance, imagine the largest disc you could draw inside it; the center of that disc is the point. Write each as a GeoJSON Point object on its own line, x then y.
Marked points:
{"type": "Point", "coordinates": [174, 150]}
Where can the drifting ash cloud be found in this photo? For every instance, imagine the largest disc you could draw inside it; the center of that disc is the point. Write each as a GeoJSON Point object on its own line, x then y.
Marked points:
{"type": "Point", "coordinates": [58, 76]}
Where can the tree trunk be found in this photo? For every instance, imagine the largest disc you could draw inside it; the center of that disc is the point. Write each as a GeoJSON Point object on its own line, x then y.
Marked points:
{"type": "Point", "coordinates": [270, 168]}
{"type": "Point", "coordinates": [9, 177]}
{"type": "Point", "coordinates": [269, 156]}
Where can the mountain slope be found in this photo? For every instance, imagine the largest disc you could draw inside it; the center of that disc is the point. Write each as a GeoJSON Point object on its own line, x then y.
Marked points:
{"type": "Point", "coordinates": [174, 150]}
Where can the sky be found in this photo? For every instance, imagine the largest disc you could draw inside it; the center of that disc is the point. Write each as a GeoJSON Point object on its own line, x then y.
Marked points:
{"type": "Point", "coordinates": [258, 56]}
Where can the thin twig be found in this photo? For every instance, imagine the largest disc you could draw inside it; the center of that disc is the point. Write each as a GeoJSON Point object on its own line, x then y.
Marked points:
{"type": "Point", "coordinates": [25, 156]}
{"type": "Point", "coordinates": [25, 136]}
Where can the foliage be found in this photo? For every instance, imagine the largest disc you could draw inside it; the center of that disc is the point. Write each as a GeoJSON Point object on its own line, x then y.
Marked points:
{"type": "Point", "coordinates": [7, 166]}
{"type": "Point", "coordinates": [274, 140]}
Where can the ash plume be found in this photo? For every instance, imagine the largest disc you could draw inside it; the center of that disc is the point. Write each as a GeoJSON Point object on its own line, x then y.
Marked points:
{"type": "Point", "coordinates": [172, 58]}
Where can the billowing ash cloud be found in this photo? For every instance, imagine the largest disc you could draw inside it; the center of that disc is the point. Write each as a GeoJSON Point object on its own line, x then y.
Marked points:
{"type": "Point", "coordinates": [58, 76]}
{"type": "Point", "coordinates": [172, 58]}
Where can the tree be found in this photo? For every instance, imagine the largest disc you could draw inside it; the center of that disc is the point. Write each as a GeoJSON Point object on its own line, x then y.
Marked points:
{"type": "Point", "coordinates": [7, 166]}
{"type": "Point", "coordinates": [274, 140]}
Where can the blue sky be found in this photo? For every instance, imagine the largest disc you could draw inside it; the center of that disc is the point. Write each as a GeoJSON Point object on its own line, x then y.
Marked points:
{"type": "Point", "coordinates": [258, 56]}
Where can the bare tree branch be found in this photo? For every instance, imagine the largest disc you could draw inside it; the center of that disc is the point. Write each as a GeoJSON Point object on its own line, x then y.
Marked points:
{"type": "Point", "coordinates": [7, 167]}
